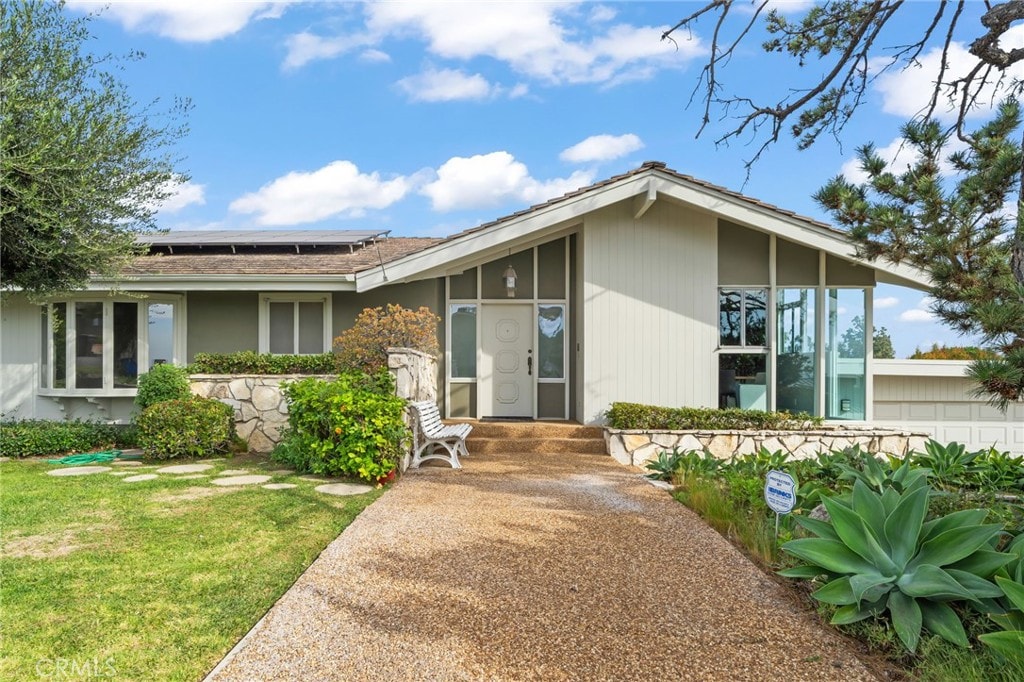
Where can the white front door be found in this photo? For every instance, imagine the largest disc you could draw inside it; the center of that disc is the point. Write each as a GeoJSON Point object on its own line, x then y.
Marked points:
{"type": "Point", "coordinates": [505, 376]}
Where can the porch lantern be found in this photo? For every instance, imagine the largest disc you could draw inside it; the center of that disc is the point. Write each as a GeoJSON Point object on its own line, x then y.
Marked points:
{"type": "Point", "coordinates": [510, 281]}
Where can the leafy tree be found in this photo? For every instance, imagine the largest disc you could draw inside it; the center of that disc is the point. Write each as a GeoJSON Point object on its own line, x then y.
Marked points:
{"type": "Point", "coordinates": [83, 168]}
{"type": "Point", "coordinates": [846, 43]}
{"type": "Point", "coordinates": [938, 352]}
{"type": "Point", "coordinates": [851, 345]}
{"type": "Point", "coordinates": [365, 345]}
{"type": "Point", "coordinates": [955, 225]}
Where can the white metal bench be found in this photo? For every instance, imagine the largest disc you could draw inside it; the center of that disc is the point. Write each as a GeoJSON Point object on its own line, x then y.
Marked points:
{"type": "Point", "coordinates": [430, 435]}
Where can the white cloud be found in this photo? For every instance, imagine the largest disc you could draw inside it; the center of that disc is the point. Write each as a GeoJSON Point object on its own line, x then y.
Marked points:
{"type": "Point", "coordinates": [185, 21]}
{"type": "Point", "coordinates": [896, 152]}
{"type": "Point", "coordinates": [444, 85]}
{"type": "Point", "coordinates": [533, 39]}
{"type": "Point", "coordinates": [306, 47]}
{"type": "Point", "coordinates": [886, 302]}
{"type": "Point", "coordinates": [374, 56]}
{"type": "Point", "coordinates": [182, 194]}
{"type": "Point", "coordinates": [600, 14]}
{"type": "Point", "coordinates": [921, 313]}
{"type": "Point", "coordinates": [337, 189]}
{"type": "Point", "coordinates": [488, 180]}
{"type": "Point", "coordinates": [907, 92]}
{"type": "Point", "coordinates": [602, 148]}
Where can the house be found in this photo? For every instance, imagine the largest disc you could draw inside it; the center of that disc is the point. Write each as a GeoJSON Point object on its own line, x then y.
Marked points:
{"type": "Point", "coordinates": [650, 286]}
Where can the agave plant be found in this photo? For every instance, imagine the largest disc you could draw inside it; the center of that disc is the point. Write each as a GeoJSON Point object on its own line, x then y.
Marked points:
{"type": "Point", "coordinates": [758, 464]}
{"type": "Point", "coordinates": [950, 465]}
{"type": "Point", "coordinates": [998, 471]}
{"type": "Point", "coordinates": [879, 477]}
{"type": "Point", "coordinates": [1010, 642]}
{"type": "Point", "coordinates": [878, 554]}
{"type": "Point", "coordinates": [664, 466]}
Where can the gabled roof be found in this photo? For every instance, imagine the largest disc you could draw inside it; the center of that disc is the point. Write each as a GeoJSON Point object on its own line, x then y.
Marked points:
{"type": "Point", "coordinates": [644, 185]}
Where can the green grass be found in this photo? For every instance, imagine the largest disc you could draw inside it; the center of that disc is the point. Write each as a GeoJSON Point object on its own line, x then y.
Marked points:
{"type": "Point", "coordinates": [138, 584]}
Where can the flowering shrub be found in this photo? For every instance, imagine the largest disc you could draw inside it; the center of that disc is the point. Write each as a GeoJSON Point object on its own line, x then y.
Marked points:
{"type": "Point", "coordinates": [364, 346]}
{"type": "Point", "coordinates": [351, 426]}
{"type": "Point", "coordinates": [938, 352]}
{"type": "Point", "coordinates": [193, 427]}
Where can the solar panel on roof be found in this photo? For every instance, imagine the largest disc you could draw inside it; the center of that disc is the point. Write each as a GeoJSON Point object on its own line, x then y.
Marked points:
{"type": "Point", "coordinates": [262, 237]}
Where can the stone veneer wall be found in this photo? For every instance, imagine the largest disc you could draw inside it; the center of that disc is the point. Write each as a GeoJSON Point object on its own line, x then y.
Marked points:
{"type": "Point", "coordinates": [261, 410]}
{"type": "Point", "coordinates": [638, 447]}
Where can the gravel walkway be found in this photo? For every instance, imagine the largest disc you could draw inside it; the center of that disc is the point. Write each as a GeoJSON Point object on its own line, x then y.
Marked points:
{"type": "Point", "coordinates": [535, 568]}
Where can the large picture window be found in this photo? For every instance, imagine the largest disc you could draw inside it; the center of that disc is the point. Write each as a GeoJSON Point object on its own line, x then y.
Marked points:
{"type": "Point", "coordinates": [101, 347]}
{"type": "Point", "coordinates": [295, 324]}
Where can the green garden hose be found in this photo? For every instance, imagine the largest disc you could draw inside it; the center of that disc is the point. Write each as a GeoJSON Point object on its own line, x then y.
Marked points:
{"type": "Point", "coordinates": [93, 458]}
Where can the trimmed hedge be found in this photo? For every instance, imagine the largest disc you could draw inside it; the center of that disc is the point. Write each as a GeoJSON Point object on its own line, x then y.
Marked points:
{"type": "Point", "coordinates": [653, 418]}
{"type": "Point", "coordinates": [38, 437]}
{"type": "Point", "coordinates": [163, 382]}
{"type": "Point", "coordinates": [248, 362]}
{"type": "Point", "coordinates": [193, 427]}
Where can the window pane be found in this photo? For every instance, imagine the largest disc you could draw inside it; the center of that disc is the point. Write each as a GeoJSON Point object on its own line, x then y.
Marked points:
{"type": "Point", "coordinates": [282, 327]}
{"type": "Point", "coordinates": [551, 341]}
{"type": "Point", "coordinates": [743, 380]}
{"type": "Point", "coordinates": [463, 341]}
{"type": "Point", "coordinates": [161, 333]}
{"type": "Point", "coordinates": [311, 327]}
{"type": "Point", "coordinates": [551, 270]}
{"type": "Point", "coordinates": [88, 345]}
{"type": "Point", "coordinates": [126, 337]}
{"type": "Point", "coordinates": [755, 306]}
{"type": "Point", "coordinates": [44, 348]}
{"type": "Point", "coordinates": [845, 364]}
{"type": "Point", "coordinates": [729, 317]}
{"type": "Point", "coordinates": [796, 374]}
{"type": "Point", "coordinates": [60, 346]}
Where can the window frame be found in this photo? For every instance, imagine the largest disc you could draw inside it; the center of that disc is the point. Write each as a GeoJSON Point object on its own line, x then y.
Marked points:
{"type": "Point", "coordinates": [743, 346]}
{"type": "Point", "coordinates": [295, 299]}
{"type": "Point", "coordinates": [70, 332]}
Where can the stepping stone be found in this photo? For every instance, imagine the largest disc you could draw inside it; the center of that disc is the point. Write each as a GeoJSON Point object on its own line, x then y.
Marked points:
{"type": "Point", "coordinates": [139, 477]}
{"type": "Point", "coordinates": [78, 471]}
{"type": "Point", "coordinates": [191, 477]}
{"type": "Point", "coordinates": [314, 479]}
{"type": "Point", "coordinates": [343, 489]}
{"type": "Point", "coordinates": [119, 473]}
{"type": "Point", "coordinates": [280, 486]}
{"type": "Point", "coordinates": [184, 469]}
{"type": "Point", "coordinates": [281, 472]}
{"type": "Point", "coordinates": [4, 459]}
{"type": "Point", "coordinates": [126, 463]}
{"type": "Point", "coordinates": [132, 451]}
{"type": "Point", "coordinates": [234, 472]}
{"type": "Point", "coordinates": [240, 480]}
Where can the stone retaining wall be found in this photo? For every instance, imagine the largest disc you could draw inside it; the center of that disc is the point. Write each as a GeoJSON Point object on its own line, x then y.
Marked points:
{"type": "Point", "coordinates": [638, 447]}
{"type": "Point", "coordinates": [261, 411]}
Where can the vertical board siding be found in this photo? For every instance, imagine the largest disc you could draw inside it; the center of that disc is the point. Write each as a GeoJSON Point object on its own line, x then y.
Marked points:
{"type": "Point", "coordinates": [19, 344]}
{"type": "Point", "coordinates": [649, 296]}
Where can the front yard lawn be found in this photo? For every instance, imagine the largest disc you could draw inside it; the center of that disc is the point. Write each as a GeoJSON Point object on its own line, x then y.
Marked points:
{"type": "Point", "coordinates": [152, 580]}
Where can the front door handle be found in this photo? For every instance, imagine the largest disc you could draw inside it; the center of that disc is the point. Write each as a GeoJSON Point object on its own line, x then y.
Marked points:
{"type": "Point", "coordinates": [529, 365]}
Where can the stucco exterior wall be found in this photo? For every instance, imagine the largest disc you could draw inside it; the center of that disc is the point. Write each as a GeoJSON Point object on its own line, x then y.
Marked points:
{"type": "Point", "coordinates": [222, 322]}
{"type": "Point", "coordinates": [648, 290]}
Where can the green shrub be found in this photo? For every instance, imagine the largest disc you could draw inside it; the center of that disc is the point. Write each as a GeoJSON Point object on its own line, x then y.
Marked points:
{"type": "Point", "coordinates": [364, 346]}
{"type": "Point", "coordinates": [351, 426]}
{"type": "Point", "coordinates": [879, 555]}
{"type": "Point", "coordinates": [649, 417]}
{"type": "Point", "coordinates": [37, 437]}
{"type": "Point", "coordinates": [192, 427]}
{"type": "Point", "coordinates": [249, 362]}
{"type": "Point", "coordinates": [163, 382]}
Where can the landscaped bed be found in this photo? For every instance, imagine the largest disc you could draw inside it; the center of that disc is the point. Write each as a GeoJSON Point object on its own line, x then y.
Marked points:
{"type": "Point", "coordinates": [150, 580]}
{"type": "Point", "coordinates": [857, 557]}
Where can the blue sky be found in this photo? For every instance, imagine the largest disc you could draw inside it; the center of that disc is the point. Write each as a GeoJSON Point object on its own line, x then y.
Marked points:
{"type": "Point", "coordinates": [426, 119]}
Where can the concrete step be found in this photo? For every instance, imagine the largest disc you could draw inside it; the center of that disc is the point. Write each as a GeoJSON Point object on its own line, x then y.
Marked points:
{"type": "Point", "coordinates": [553, 446]}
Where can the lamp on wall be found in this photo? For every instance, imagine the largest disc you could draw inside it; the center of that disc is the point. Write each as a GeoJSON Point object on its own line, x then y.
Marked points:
{"type": "Point", "coordinates": [510, 281]}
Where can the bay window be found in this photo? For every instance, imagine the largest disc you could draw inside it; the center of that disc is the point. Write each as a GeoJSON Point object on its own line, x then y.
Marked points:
{"type": "Point", "coordinates": [99, 347]}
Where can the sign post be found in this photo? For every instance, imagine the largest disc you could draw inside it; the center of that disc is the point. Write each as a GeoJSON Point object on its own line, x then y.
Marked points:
{"type": "Point", "coordinates": [780, 494]}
